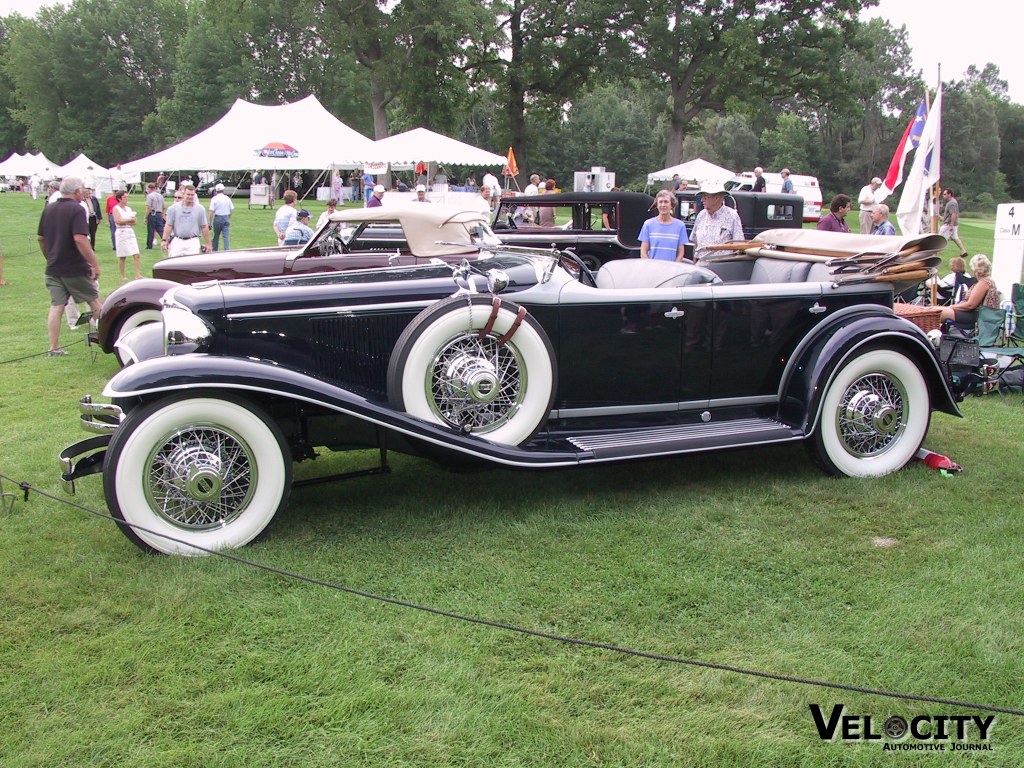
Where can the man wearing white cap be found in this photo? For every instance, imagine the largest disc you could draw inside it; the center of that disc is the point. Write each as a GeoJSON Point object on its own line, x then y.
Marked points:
{"type": "Point", "coordinates": [375, 198]}
{"type": "Point", "coordinates": [868, 198]}
{"type": "Point", "coordinates": [715, 223]}
{"type": "Point", "coordinates": [221, 209]}
{"type": "Point", "coordinates": [421, 194]}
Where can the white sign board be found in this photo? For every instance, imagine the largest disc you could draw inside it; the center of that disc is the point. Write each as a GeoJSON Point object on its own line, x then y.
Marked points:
{"type": "Point", "coordinates": [1008, 251]}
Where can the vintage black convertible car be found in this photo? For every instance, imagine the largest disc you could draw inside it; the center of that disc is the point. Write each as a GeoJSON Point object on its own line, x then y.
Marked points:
{"type": "Point", "coordinates": [522, 359]}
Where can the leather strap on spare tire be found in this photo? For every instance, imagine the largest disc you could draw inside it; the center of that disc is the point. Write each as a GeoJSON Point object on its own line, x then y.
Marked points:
{"type": "Point", "coordinates": [489, 325]}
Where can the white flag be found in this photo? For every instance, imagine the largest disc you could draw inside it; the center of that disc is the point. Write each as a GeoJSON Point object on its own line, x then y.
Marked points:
{"type": "Point", "coordinates": [911, 214]}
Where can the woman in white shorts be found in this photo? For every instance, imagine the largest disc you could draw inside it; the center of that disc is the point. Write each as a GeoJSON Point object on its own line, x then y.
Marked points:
{"type": "Point", "coordinates": [124, 235]}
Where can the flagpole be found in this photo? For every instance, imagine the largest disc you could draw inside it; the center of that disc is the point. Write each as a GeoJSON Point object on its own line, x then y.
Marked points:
{"type": "Point", "coordinates": [936, 192]}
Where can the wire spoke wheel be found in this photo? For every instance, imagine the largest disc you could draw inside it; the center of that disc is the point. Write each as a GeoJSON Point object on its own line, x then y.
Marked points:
{"type": "Point", "coordinates": [210, 471]}
{"type": "Point", "coordinates": [447, 370]}
{"type": "Point", "coordinates": [874, 415]}
{"type": "Point", "coordinates": [201, 478]}
{"type": "Point", "coordinates": [871, 416]}
{"type": "Point", "coordinates": [476, 384]}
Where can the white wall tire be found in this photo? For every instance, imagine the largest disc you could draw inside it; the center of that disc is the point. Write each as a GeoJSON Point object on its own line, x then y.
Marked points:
{"type": "Point", "coordinates": [440, 371]}
{"type": "Point", "coordinates": [130, 323]}
{"type": "Point", "coordinates": [874, 416]}
{"type": "Point", "coordinates": [209, 471]}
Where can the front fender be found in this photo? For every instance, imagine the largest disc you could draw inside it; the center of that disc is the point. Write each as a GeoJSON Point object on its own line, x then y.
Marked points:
{"type": "Point", "coordinates": [126, 300]}
{"type": "Point", "coordinates": [261, 380]}
{"type": "Point", "coordinates": [836, 341]}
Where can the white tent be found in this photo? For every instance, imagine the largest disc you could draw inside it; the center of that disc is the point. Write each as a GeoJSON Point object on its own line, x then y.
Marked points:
{"type": "Point", "coordinates": [405, 150]}
{"type": "Point", "coordinates": [81, 166]}
{"type": "Point", "coordinates": [692, 170]}
{"type": "Point", "coordinates": [26, 165]}
{"type": "Point", "coordinates": [297, 136]}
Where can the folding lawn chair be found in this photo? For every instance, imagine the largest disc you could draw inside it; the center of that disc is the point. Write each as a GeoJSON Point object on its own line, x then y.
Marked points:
{"type": "Point", "coordinates": [1014, 328]}
{"type": "Point", "coordinates": [992, 336]}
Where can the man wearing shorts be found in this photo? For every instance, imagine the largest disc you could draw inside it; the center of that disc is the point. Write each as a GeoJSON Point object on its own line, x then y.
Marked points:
{"type": "Point", "coordinates": [950, 228]}
{"type": "Point", "coordinates": [71, 266]}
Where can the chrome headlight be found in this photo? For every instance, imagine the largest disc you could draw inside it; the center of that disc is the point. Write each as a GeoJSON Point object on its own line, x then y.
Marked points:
{"type": "Point", "coordinates": [184, 331]}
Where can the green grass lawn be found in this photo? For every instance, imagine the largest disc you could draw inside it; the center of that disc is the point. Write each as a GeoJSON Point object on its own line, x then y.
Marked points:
{"type": "Point", "coordinates": [109, 657]}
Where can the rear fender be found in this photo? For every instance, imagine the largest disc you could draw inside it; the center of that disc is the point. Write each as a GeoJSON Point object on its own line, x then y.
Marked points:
{"type": "Point", "coordinates": [126, 300]}
{"type": "Point", "coordinates": [836, 341]}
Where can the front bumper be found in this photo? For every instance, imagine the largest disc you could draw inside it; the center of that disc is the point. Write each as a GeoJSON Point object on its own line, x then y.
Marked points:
{"type": "Point", "coordinates": [86, 456]}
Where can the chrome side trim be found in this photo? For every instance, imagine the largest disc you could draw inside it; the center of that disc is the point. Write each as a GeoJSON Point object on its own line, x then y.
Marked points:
{"type": "Point", "coordinates": [625, 410]}
{"type": "Point", "coordinates": [680, 432]}
{"type": "Point", "coordinates": [689, 405]}
{"type": "Point", "coordinates": [349, 310]}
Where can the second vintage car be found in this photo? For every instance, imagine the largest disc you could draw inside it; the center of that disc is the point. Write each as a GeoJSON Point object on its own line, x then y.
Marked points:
{"type": "Point", "coordinates": [603, 226]}
{"type": "Point", "coordinates": [359, 238]}
{"type": "Point", "coordinates": [523, 358]}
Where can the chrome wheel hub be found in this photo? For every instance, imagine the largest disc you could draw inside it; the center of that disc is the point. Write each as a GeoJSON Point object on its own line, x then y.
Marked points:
{"type": "Point", "coordinates": [871, 415]}
{"type": "Point", "coordinates": [200, 478]}
{"type": "Point", "coordinates": [475, 384]}
{"type": "Point", "coordinates": [472, 379]}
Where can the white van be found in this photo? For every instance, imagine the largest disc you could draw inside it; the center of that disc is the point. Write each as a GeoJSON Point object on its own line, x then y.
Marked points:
{"type": "Point", "coordinates": [805, 186]}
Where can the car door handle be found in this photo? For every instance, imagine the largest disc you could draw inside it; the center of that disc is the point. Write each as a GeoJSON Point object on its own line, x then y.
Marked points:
{"type": "Point", "coordinates": [674, 313]}
{"type": "Point", "coordinates": [817, 309]}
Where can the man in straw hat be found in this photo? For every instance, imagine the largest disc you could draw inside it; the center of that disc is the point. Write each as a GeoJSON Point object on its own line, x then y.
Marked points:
{"type": "Point", "coordinates": [715, 223]}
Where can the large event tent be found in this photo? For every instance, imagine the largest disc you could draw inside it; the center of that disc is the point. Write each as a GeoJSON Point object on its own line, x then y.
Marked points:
{"type": "Point", "coordinates": [81, 166]}
{"type": "Point", "coordinates": [405, 150]}
{"type": "Point", "coordinates": [26, 165]}
{"type": "Point", "coordinates": [697, 169]}
{"type": "Point", "coordinates": [296, 136]}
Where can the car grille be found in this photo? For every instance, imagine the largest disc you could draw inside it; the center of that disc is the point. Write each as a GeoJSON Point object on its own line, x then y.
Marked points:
{"type": "Point", "coordinates": [354, 351]}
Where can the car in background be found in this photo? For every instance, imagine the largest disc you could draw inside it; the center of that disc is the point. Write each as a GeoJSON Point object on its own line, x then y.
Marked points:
{"type": "Point", "coordinates": [597, 227]}
{"type": "Point", "coordinates": [806, 187]}
{"type": "Point", "coordinates": [520, 359]}
{"type": "Point", "coordinates": [759, 211]}
{"type": "Point", "coordinates": [360, 238]}
{"type": "Point", "coordinates": [232, 188]}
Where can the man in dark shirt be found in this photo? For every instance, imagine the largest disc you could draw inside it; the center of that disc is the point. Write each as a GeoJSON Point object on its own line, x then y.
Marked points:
{"type": "Point", "coordinates": [71, 266]}
{"type": "Point", "coordinates": [759, 181]}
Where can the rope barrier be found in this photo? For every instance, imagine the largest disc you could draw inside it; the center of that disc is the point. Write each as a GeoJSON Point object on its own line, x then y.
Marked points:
{"type": "Point", "coordinates": [26, 488]}
{"type": "Point", "coordinates": [40, 354]}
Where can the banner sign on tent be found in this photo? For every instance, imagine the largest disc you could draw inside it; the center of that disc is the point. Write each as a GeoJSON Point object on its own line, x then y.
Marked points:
{"type": "Point", "coordinates": [375, 168]}
{"type": "Point", "coordinates": [277, 149]}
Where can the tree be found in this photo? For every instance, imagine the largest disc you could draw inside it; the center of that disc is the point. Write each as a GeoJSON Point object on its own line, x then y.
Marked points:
{"type": "Point", "coordinates": [712, 50]}
{"type": "Point", "coordinates": [545, 55]}
{"type": "Point", "coordinates": [787, 145]}
{"type": "Point", "coordinates": [12, 133]}
{"type": "Point", "coordinates": [734, 141]}
{"type": "Point", "coordinates": [413, 50]}
{"type": "Point", "coordinates": [86, 76]}
{"type": "Point", "coordinates": [970, 143]}
{"type": "Point", "coordinates": [612, 126]}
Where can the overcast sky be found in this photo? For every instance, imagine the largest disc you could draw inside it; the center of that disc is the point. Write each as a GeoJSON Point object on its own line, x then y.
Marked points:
{"type": "Point", "coordinates": [955, 33]}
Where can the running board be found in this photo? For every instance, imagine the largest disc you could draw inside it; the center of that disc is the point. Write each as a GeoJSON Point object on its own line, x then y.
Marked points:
{"type": "Point", "coordinates": [683, 438]}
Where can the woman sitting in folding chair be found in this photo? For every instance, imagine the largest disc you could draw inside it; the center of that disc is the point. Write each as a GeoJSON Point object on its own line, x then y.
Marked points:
{"type": "Point", "coordinates": [982, 293]}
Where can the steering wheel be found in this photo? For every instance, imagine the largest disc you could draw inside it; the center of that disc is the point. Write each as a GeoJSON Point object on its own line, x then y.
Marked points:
{"type": "Point", "coordinates": [574, 265]}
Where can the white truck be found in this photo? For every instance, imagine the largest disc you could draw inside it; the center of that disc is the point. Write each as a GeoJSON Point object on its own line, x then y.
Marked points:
{"type": "Point", "coordinates": [805, 186]}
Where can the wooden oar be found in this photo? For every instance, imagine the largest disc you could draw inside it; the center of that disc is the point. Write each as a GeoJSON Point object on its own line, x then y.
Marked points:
{"type": "Point", "coordinates": [900, 277]}
{"type": "Point", "coordinates": [910, 266]}
{"type": "Point", "coordinates": [790, 255]}
{"type": "Point", "coordinates": [735, 245]}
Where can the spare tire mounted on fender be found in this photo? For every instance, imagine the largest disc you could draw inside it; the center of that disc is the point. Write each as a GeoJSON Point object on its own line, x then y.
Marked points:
{"type": "Point", "coordinates": [478, 364]}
